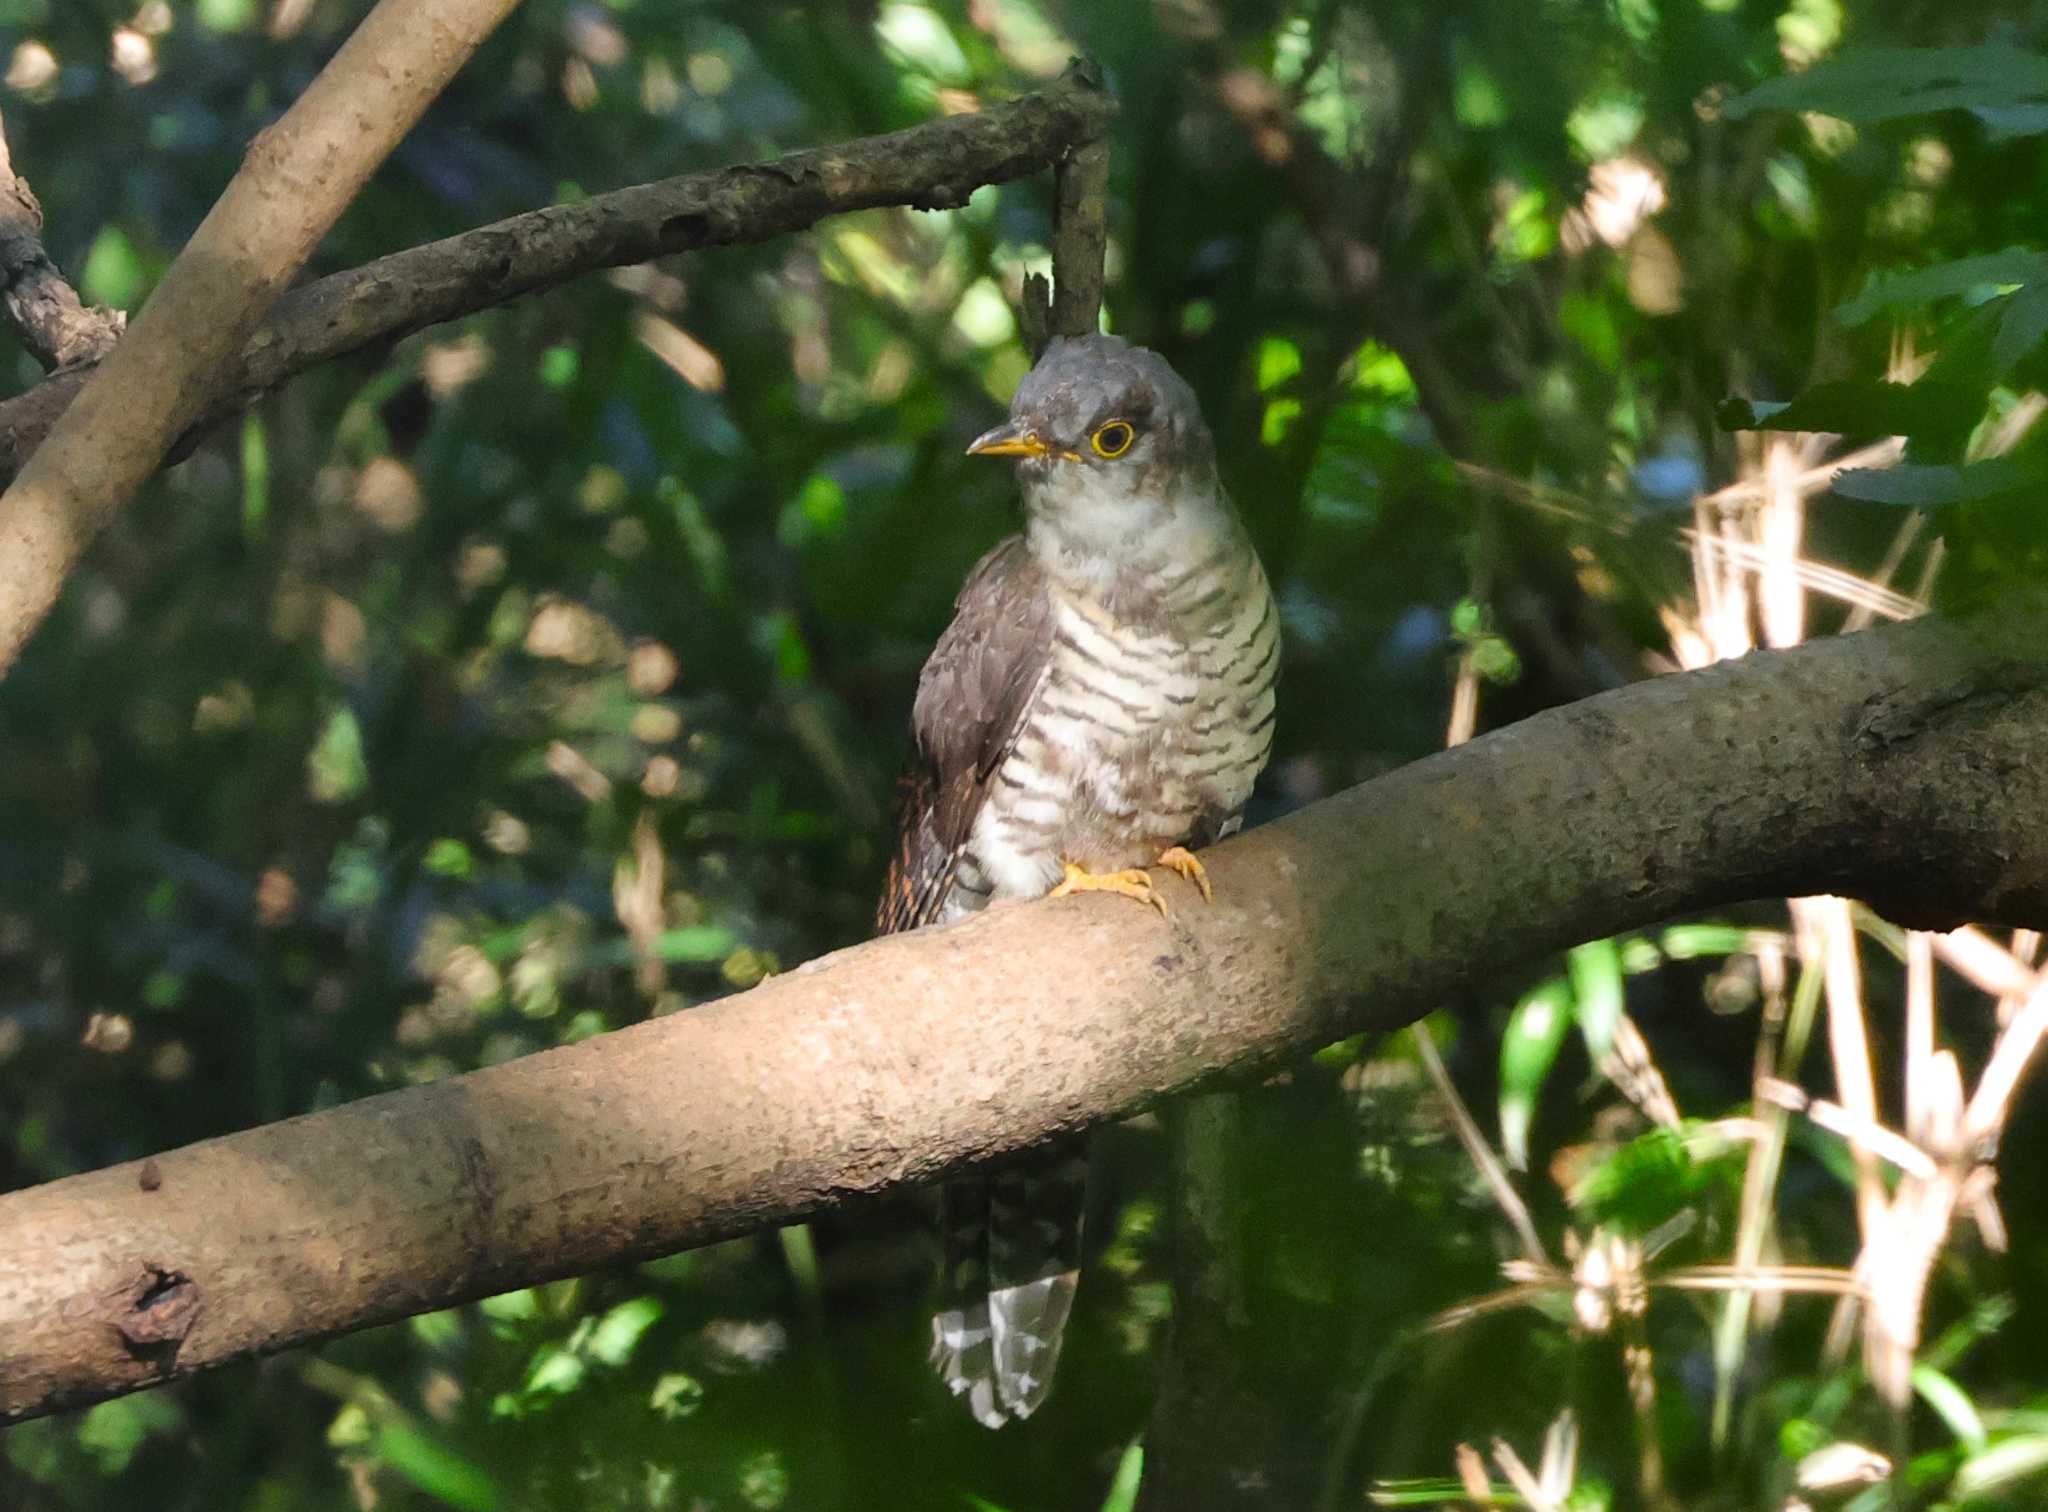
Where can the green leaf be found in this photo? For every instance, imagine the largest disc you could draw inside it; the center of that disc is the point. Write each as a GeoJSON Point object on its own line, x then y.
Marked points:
{"type": "Point", "coordinates": [439, 1331]}
{"type": "Point", "coordinates": [676, 1395]}
{"type": "Point", "coordinates": [255, 477]}
{"type": "Point", "coordinates": [1279, 360]}
{"type": "Point", "coordinates": [227, 15]}
{"type": "Point", "coordinates": [335, 769]}
{"type": "Point", "coordinates": [555, 1371]}
{"type": "Point", "coordinates": [1528, 1049]}
{"type": "Point", "coordinates": [618, 1332]}
{"type": "Point", "coordinates": [1685, 942]}
{"type": "Point", "coordinates": [521, 1306]}
{"type": "Point", "coordinates": [2021, 326]}
{"type": "Point", "coordinates": [1930, 485]}
{"type": "Point", "coordinates": [1649, 1180]}
{"type": "Point", "coordinates": [1983, 1320]}
{"type": "Point", "coordinates": [438, 1471]}
{"type": "Point", "coordinates": [559, 366]}
{"type": "Point", "coordinates": [2005, 86]}
{"type": "Point", "coordinates": [448, 857]}
{"type": "Point", "coordinates": [113, 273]}
{"type": "Point", "coordinates": [113, 1431]}
{"type": "Point", "coordinates": [1123, 1486]}
{"type": "Point", "coordinates": [1597, 992]}
{"type": "Point", "coordinates": [2004, 1464]}
{"type": "Point", "coordinates": [1951, 1404]}
{"type": "Point", "coordinates": [1923, 286]}
{"type": "Point", "coordinates": [764, 1481]}
{"type": "Point", "coordinates": [1861, 408]}
{"type": "Point", "coordinates": [696, 942]}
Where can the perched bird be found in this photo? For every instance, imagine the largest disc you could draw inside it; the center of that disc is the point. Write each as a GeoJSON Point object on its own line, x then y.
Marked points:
{"type": "Point", "coordinates": [1101, 702]}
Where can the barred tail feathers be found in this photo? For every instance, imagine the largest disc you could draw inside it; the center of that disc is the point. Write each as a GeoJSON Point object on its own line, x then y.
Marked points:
{"type": "Point", "coordinates": [1012, 1243]}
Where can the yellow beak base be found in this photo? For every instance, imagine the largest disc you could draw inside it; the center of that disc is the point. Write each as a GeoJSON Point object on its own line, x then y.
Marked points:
{"type": "Point", "coordinates": [1008, 440]}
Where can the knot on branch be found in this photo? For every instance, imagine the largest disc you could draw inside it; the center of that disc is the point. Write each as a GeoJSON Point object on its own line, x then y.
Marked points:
{"type": "Point", "coordinates": [155, 1312]}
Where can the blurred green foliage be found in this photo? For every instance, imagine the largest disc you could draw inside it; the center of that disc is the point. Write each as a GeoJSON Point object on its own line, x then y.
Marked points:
{"type": "Point", "coordinates": [549, 670]}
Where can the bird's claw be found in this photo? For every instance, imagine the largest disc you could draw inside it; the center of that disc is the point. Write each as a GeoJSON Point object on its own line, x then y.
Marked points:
{"type": "Point", "coordinates": [1182, 860]}
{"type": "Point", "coordinates": [1130, 883]}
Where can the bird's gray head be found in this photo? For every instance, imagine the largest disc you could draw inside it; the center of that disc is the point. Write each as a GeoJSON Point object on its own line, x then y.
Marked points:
{"type": "Point", "coordinates": [1112, 453]}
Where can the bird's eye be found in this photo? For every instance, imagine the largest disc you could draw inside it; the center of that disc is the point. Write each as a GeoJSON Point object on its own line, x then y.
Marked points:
{"type": "Point", "coordinates": [1113, 438]}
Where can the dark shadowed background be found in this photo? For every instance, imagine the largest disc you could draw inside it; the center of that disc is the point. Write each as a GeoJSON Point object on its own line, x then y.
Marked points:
{"type": "Point", "coordinates": [550, 670]}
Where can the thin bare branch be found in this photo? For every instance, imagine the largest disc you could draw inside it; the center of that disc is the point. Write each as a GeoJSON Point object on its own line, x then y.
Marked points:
{"type": "Point", "coordinates": [933, 166]}
{"type": "Point", "coordinates": [298, 176]}
{"type": "Point", "coordinates": [1504, 1194]}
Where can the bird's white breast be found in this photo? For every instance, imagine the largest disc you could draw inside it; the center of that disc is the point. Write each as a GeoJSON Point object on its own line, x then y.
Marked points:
{"type": "Point", "coordinates": [1143, 734]}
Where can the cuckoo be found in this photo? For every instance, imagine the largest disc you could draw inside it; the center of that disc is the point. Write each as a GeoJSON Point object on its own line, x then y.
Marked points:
{"type": "Point", "coordinates": [1101, 703]}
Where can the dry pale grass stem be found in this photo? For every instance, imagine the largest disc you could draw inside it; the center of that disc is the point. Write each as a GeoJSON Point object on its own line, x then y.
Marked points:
{"type": "Point", "coordinates": [1754, 586]}
{"type": "Point", "coordinates": [1752, 583]}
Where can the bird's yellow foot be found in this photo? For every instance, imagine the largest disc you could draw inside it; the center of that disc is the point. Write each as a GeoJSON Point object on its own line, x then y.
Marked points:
{"type": "Point", "coordinates": [1183, 861]}
{"type": "Point", "coordinates": [1132, 883]}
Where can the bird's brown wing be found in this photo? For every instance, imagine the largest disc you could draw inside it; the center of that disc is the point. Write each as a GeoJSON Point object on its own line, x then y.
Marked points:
{"type": "Point", "coordinates": [971, 705]}
{"type": "Point", "coordinates": [1011, 1238]}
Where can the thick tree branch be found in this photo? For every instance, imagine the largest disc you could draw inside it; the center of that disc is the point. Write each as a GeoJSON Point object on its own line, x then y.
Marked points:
{"type": "Point", "coordinates": [298, 176]}
{"type": "Point", "coordinates": [1903, 765]}
{"type": "Point", "coordinates": [930, 167]}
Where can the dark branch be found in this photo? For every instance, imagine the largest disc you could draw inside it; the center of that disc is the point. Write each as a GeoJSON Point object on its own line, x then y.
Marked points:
{"type": "Point", "coordinates": [1900, 765]}
{"type": "Point", "coordinates": [930, 167]}
{"type": "Point", "coordinates": [1080, 238]}
{"type": "Point", "coordinates": [59, 329]}
{"type": "Point", "coordinates": [1070, 303]}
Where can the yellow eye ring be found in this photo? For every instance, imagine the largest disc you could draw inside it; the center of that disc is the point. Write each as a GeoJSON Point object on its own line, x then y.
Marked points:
{"type": "Point", "coordinates": [1113, 438]}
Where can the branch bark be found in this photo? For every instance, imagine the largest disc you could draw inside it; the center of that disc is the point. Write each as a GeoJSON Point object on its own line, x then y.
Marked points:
{"type": "Point", "coordinates": [1902, 765]}
{"type": "Point", "coordinates": [56, 326]}
{"type": "Point", "coordinates": [298, 176]}
{"type": "Point", "coordinates": [1080, 240]}
{"type": "Point", "coordinates": [930, 167]}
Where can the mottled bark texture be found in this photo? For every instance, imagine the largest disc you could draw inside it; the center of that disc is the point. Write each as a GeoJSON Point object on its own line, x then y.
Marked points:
{"type": "Point", "coordinates": [57, 327]}
{"type": "Point", "coordinates": [930, 167]}
{"type": "Point", "coordinates": [1904, 765]}
{"type": "Point", "coordinates": [298, 176]}
{"type": "Point", "coordinates": [1080, 238]}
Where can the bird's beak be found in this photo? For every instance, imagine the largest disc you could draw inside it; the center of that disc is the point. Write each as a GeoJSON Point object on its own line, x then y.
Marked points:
{"type": "Point", "coordinates": [1010, 439]}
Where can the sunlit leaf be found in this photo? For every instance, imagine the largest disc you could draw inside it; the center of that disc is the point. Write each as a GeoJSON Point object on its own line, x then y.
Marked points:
{"type": "Point", "coordinates": [1640, 1185]}
{"type": "Point", "coordinates": [437, 1470]}
{"type": "Point", "coordinates": [618, 1332]}
{"type": "Point", "coordinates": [1951, 1404]}
{"type": "Point", "coordinates": [448, 857]}
{"type": "Point", "coordinates": [764, 1481]}
{"type": "Point", "coordinates": [113, 273]}
{"type": "Point", "coordinates": [1528, 1049]}
{"type": "Point", "coordinates": [1123, 1486]}
{"type": "Point", "coordinates": [1597, 992]}
{"type": "Point", "coordinates": [511, 1307]}
{"type": "Point", "coordinates": [695, 942]}
{"type": "Point", "coordinates": [335, 769]}
{"type": "Point", "coordinates": [113, 1431]}
{"type": "Point", "coordinates": [2007, 1463]}
{"type": "Point", "coordinates": [676, 1395]}
{"type": "Point", "coordinates": [555, 1371]}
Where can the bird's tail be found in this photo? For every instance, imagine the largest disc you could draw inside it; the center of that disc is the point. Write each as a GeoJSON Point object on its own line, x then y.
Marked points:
{"type": "Point", "coordinates": [1012, 1244]}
